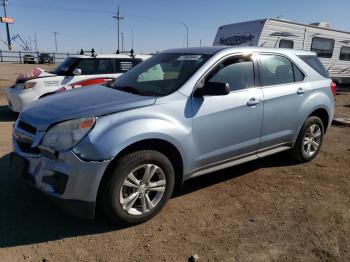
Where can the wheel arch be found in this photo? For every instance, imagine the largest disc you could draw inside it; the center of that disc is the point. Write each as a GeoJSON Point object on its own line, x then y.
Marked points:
{"type": "Point", "coordinates": [323, 115]}
{"type": "Point", "coordinates": [163, 146]}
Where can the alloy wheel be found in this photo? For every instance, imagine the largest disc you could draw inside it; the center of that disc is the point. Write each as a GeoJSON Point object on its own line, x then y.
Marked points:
{"type": "Point", "coordinates": [142, 189]}
{"type": "Point", "coordinates": [312, 140]}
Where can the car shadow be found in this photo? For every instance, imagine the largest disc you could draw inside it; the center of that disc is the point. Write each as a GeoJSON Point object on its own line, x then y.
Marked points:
{"type": "Point", "coordinates": [6, 115]}
{"type": "Point", "coordinates": [279, 160]}
{"type": "Point", "coordinates": [28, 217]}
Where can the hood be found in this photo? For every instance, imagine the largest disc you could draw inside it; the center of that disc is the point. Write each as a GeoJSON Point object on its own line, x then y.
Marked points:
{"type": "Point", "coordinates": [89, 101]}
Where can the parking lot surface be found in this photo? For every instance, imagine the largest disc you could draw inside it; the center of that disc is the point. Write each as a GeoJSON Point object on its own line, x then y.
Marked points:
{"type": "Point", "coordinates": [270, 209]}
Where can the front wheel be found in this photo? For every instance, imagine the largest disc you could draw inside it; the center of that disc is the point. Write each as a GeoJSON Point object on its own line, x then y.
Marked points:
{"type": "Point", "coordinates": [309, 140]}
{"type": "Point", "coordinates": [138, 188]}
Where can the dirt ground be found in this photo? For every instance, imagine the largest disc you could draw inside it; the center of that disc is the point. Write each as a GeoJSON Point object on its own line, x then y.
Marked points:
{"type": "Point", "coordinates": [267, 210]}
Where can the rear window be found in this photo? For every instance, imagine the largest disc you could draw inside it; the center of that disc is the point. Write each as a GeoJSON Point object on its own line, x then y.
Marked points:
{"type": "Point", "coordinates": [344, 53]}
{"type": "Point", "coordinates": [316, 64]}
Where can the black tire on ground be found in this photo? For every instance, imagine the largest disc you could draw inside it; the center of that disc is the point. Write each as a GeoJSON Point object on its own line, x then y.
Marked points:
{"type": "Point", "coordinates": [298, 152]}
{"type": "Point", "coordinates": [109, 199]}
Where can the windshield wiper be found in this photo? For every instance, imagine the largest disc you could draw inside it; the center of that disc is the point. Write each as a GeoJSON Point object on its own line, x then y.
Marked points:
{"type": "Point", "coordinates": [129, 89]}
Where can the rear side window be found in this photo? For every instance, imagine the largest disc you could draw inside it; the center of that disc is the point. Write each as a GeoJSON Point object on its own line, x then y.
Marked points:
{"type": "Point", "coordinates": [323, 47]}
{"type": "Point", "coordinates": [275, 70]}
{"type": "Point", "coordinates": [316, 64]}
{"type": "Point", "coordinates": [298, 75]}
{"type": "Point", "coordinates": [238, 72]}
{"type": "Point", "coordinates": [344, 53]}
{"type": "Point", "coordinates": [87, 66]}
{"type": "Point", "coordinates": [124, 65]}
{"type": "Point", "coordinates": [104, 66]}
{"type": "Point", "coordinates": [286, 44]}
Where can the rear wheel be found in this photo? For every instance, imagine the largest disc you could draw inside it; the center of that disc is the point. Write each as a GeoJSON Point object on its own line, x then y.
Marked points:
{"type": "Point", "coordinates": [309, 140]}
{"type": "Point", "coordinates": [138, 188]}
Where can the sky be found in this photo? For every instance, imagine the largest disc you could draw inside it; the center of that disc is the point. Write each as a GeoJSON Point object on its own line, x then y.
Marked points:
{"type": "Point", "coordinates": [86, 24]}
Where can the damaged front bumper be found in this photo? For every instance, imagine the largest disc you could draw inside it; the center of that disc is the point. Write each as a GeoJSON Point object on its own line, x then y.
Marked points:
{"type": "Point", "coordinates": [71, 182]}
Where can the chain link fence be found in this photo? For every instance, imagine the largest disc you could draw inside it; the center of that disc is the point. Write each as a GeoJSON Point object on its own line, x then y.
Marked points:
{"type": "Point", "coordinates": [23, 57]}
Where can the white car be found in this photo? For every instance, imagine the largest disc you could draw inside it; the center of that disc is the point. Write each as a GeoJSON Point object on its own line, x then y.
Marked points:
{"type": "Point", "coordinates": [75, 71]}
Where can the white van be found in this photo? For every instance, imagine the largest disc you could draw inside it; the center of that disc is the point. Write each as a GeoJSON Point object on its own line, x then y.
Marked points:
{"type": "Point", "coordinates": [76, 71]}
{"type": "Point", "coordinates": [332, 46]}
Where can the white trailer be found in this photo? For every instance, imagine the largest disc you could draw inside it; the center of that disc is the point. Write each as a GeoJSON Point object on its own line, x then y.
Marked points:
{"type": "Point", "coordinates": [332, 46]}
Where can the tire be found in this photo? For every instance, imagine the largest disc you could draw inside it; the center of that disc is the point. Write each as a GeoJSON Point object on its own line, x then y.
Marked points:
{"type": "Point", "coordinates": [304, 142]}
{"type": "Point", "coordinates": [116, 189]}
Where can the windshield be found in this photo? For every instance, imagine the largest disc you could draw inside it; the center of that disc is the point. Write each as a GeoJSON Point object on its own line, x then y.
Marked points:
{"type": "Point", "coordinates": [63, 68]}
{"type": "Point", "coordinates": [160, 75]}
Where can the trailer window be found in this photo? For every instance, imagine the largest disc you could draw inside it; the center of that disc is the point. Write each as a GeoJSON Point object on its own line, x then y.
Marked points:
{"type": "Point", "coordinates": [286, 43]}
{"type": "Point", "coordinates": [323, 47]}
{"type": "Point", "coordinates": [344, 53]}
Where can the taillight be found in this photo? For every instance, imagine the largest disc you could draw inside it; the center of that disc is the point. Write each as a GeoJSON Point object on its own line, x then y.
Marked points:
{"type": "Point", "coordinates": [333, 88]}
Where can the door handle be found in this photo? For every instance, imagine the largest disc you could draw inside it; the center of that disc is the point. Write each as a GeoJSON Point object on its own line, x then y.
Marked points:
{"type": "Point", "coordinates": [301, 91]}
{"type": "Point", "coordinates": [253, 102]}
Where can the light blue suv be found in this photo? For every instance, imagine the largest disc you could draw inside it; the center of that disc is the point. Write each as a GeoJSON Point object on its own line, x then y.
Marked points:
{"type": "Point", "coordinates": [180, 114]}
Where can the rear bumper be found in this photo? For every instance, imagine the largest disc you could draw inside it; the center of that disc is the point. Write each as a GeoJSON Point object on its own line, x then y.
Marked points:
{"type": "Point", "coordinates": [18, 99]}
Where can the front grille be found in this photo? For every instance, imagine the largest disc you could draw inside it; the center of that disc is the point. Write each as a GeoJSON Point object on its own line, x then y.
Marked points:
{"type": "Point", "coordinates": [26, 148]}
{"type": "Point", "coordinates": [26, 127]}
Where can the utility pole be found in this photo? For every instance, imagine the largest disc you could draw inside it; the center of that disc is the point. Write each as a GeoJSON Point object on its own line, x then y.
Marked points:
{"type": "Point", "coordinates": [30, 43]}
{"type": "Point", "coordinates": [5, 3]}
{"type": "Point", "coordinates": [55, 34]}
{"type": "Point", "coordinates": [186, 27]}
{"type": "Point", "coordinates": [122, 42]}
{"type": "Point", "coordinates": [118, 18]}
{"type": "Point", "coordinates": [36, 42]}
{"type": "Point", "coordinates": [132, 39]}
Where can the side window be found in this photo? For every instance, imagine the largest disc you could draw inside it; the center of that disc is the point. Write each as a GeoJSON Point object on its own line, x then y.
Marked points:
{"type": "Point", "coordinates": [275, 70]}
{"type": "Point", "coordinates": [298, 75]}
{"type": "Point", "coordinates": [315, 63]}
{"type": "Point", "coordinates": [238, 72]}
{"type": "Point", "coordinates": [124, 65]}
{"type": "Point", "coordinates": [104, 66]}
{"type": "Point", "coordinates": [286, 44]}
{"type": "Point", "coordinates": [323, 47]}
{"type": "Point", "coordinates": [344, 53]}
{"type": "Point", "coordinates": [87, 66]}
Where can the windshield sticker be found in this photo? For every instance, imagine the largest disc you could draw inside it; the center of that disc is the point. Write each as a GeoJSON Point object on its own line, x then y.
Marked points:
{"type": "Point", "coordinates": [189, 57]}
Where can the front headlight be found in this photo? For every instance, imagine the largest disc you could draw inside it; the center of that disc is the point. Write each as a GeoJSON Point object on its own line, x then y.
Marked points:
{"type": "Point", "coordinates": [28, 85]}
{"type": "Point", "coordinates": [65, 135]}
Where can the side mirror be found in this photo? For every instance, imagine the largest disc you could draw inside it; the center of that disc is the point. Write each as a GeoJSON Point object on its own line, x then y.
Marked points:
{"type": "Point", "coordinates": [77, 72]}
{"type": "Point", "coordinates": [213, 89]}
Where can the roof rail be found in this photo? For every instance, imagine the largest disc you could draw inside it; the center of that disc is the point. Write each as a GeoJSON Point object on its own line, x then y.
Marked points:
{"type": "Point", "coordinates": [132, 53]}
{"type": "Point", "coordinates": [92, 52]}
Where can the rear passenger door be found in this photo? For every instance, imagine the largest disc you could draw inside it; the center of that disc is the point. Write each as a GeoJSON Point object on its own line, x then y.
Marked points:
{"type": "Point", "coordinates": [284, 92]}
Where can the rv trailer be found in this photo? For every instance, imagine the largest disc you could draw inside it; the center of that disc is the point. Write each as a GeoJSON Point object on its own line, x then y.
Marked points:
{"type": "Point", "coordinates": [332, 46]}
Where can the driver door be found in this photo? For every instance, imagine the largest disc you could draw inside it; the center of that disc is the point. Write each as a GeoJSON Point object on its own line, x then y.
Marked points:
{"type": "Point", "coordinates": [228, 127]}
